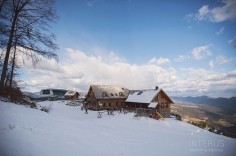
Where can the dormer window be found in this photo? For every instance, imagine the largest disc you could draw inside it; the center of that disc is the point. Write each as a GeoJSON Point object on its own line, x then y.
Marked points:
{"type": "Point", "coordinates": [121, 94]}
{"type": "Point", "coordinates": [112, 94]}
{"type": "Point", "coordinates": [104, 94]}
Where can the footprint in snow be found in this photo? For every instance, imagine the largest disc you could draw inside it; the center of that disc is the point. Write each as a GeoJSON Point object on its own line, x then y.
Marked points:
{"type": "Point", "coordinates": [2, 130]}
{"type": "Point", "coordinates": [11, 126]}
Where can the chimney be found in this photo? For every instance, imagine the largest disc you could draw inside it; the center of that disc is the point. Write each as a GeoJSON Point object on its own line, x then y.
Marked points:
{"type": "Point", "coordinates": [156, 88]}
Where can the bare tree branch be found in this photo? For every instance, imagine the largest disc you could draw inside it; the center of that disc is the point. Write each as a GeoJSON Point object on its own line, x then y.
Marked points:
{"type": "Point", "coordinates": [26, 25]}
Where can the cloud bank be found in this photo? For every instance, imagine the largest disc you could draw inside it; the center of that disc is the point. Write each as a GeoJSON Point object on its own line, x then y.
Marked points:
{"type": "Point", "coordinates": [224, 12]}
{"type": "Point", "coordinates": [77, 70]}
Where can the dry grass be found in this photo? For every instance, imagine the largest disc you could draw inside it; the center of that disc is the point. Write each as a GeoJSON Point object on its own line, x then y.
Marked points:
{"type": "Point", "coordinates": [224, 123]}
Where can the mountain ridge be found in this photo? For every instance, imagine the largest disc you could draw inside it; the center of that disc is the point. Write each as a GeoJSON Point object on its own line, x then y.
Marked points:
{"type": "Point", "coordinates": [226, 104]}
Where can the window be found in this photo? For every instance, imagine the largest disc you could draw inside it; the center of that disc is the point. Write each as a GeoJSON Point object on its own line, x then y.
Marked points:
{"type": "Point", "coordinates": [166, 105]}
{"type": "Point", "coordinates": [104, 94]}
{"type": "Point", "coordinates": [90, 93]}
{"type": "Point", "coordinates": [59, 92]}
{"type": "Point", "coordinates": [109, 104]}
{"type": "Point", "coordinates": [46, 92]}
{"type": "Point", "coordinates": [112, 94]}
{"type": "Point", "coordinates": [139, 93]}
{"type": "Point", "coordinates": [121, 94]}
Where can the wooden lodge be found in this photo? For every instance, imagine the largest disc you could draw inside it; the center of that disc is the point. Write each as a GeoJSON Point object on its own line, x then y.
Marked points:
{"type": "Point", "coordinates": [155, 100]}
{"type": "Point", "coordinates": [101, 97]}
{"type": "Point", "coordinates": [105, 97]}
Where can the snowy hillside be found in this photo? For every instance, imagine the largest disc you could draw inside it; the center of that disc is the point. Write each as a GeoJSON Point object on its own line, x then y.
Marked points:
{"type": "Point", "coordinates": [68, 131]}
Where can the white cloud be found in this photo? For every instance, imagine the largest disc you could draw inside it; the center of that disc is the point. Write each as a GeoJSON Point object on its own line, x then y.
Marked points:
{"type": "Point", "coordinates": [113, 57]}
{"type": "Point", "coordinates": [203, 12]}
{"type": "Point", "coordinates": [159, 61]}
{"type": "Point", "coordinates": [226, 11]}
{"type": "Point", "coordinates": [211, 64]}
{"type": "Point", "coordinates": [231, 73]}
{"type": "Point", "coordinates": [201, 52]}
{"type": "Point", "coordinates": [233, 42]}
{"type": "Point", "coordinates": [49, 65]}
{"type": "Point", "coordinates": [222, 60]}
{"type": "Point", "coordinates": [220, 31]}
{"type": "Point", "coordinates": [181, 58]}
{"type": "Point", "coordinates": [77, 70]}
{"type": "Point", "coordinates": [199, 81]}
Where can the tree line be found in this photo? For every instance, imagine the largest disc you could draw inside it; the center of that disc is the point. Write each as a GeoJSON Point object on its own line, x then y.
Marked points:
{"type": "Point", "coordinates": [24, 30]}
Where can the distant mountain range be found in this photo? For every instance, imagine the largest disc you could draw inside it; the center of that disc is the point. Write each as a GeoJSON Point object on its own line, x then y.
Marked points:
{"type": "Point", "coordinates": [228, 105]}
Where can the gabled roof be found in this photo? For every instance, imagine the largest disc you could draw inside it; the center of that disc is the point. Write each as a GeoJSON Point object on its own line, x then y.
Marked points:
{"type": "Point", "coordinates": [70, 93]}
{"type": "Point", "coordinates": [109, 91]}
{"type": "Point", "coordinates": [143, 96]}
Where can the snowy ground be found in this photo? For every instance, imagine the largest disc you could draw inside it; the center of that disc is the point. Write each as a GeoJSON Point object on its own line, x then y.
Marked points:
{"type": "Point", "coordinates": [68, 131]}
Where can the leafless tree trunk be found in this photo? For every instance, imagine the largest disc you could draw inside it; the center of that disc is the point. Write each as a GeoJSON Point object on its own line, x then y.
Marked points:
{"type": "Point", "coordinates": [1, 4]}
{"type": "Point", "coordinates": [13, 66]}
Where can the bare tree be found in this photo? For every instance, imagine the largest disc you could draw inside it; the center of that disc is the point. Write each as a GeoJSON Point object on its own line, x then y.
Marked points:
{"type": "Point", "coordinates": [26, 27]}
{"type": "Point", "coordinates": [1, 4]}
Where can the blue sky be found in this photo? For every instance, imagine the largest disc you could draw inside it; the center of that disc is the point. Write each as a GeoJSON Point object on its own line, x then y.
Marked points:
{"type": "Point", "coordinates": [178, 39]}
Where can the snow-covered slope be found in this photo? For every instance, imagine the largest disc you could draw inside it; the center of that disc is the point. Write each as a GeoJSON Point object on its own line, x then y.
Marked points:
{"type": "Point", "coordinates": [68, 131]}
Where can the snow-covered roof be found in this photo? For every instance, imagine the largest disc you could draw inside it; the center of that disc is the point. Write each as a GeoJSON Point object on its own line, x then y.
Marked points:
{"type": "Point", "coordinates": [109, 91]}
{"type": "Point", "coordinates": [70, 93]}
{"type": "Point", "coordinates": [143, 96]}
{"type": "Point", "coordinates": [153, 105]}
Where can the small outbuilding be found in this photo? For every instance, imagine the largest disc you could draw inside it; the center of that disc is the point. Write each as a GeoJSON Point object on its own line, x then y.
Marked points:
{"type": "Point", "coordinates": [71, 95]}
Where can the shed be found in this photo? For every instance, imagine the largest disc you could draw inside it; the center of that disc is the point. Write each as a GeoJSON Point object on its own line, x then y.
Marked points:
{"type": "Point", "coordinates": [72, 95]}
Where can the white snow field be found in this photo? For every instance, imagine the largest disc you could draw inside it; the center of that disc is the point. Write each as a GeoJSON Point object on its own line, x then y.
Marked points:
{"type": "Point", "coordinates": [68, 131]}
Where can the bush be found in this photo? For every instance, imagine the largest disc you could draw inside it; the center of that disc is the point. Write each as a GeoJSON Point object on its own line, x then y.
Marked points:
{"type": "Point", "coordinates": [15, 95]}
